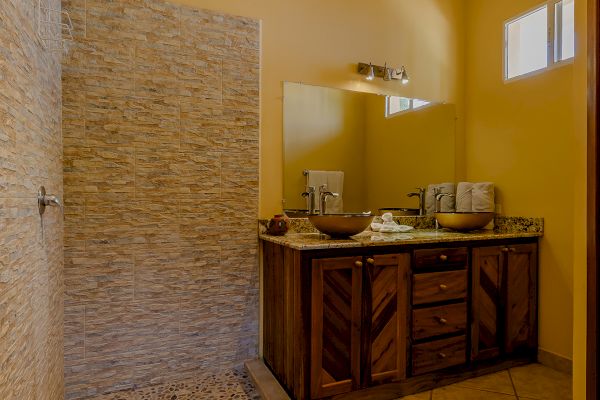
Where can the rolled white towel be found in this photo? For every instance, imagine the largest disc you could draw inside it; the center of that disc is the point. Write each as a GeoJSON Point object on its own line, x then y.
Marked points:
{"type": "Point", "coordinates": [483, 197]}
{"type": "Point", "coordinates": [464, 197]}
{"type": "Point", "coordinates": [448, 203]}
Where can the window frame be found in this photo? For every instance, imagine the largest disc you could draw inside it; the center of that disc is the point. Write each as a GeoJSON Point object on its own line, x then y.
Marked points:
{"type": "Point", "coordinates": [551, 42]}
{"type": "Point", "coordinates": [409, 109]}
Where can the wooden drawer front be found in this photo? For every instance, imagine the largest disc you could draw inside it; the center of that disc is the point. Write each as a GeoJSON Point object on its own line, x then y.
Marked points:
{"type": "Point", "coordinates": [454, 257]}
{"type": "Point", "coordinates": [438, 354]}
{"type": "Point", "coordinates": [434, 321]}
{"type": "Point", "coordinates": [439, 286]}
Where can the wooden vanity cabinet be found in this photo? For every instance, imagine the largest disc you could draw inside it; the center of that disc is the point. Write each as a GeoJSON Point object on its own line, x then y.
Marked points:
{"type": "Point", "coordinates": [504, 300]}
{"type": "Point", "coordinates": [394, 320]}
{"type": "Point", "coordinates": [358, 327]}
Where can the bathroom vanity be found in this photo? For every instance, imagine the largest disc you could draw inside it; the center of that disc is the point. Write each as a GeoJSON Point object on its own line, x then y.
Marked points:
{"type": "Point", "coordinates": [379, 317]}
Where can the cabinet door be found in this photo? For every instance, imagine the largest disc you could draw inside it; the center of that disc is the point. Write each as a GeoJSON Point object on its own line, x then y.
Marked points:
{"type": "Point", "coordinates": [385, 326]}
{"type": "Point", "coordinates": [335, 325]}
{"type": "Point", "coordinates": [486, 305]}
{"type": "Point", "coordinates": [521, 298]}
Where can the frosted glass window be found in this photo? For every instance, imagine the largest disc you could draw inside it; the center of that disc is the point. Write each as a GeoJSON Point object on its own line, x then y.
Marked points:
{"type": "Point", "coordinates": [419, 103]}
{"type": "Point", "coordinates": [565, 30]}
{"type": "Point", "coordinates": [527, 43]}
{"type": "Point", "coordinates": [396, 104]}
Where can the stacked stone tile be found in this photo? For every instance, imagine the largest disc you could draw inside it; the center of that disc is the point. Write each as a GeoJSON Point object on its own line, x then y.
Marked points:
{"type": "Point", "coordinates": [31, 248]}
{"type": "Point", "coordinates": [160, 124]}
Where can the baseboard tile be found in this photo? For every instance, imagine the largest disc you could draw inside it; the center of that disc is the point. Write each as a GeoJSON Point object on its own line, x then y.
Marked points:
{"type": "Point", "coordinates": [555, 361]}
{"type": "Point", "coordinates": [266, 384]}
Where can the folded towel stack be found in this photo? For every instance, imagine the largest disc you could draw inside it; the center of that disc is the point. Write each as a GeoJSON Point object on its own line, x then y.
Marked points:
{"type": "Point", "coordinates": [475, 197]}
{"type": "Point", "coordinates": [464, 197]}
{"type": "Point", "coordinates": [483, 197]}
{"type": "Point", "coordinates": [447, 204]}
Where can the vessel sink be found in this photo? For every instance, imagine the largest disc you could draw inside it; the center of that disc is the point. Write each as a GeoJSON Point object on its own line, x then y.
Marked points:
{"type": "Point", "coordinates": [341, 225]}
{"type": "Point", "coordinates": [464, 221]}
{"type": "Point", "coordinates": [398, 212]}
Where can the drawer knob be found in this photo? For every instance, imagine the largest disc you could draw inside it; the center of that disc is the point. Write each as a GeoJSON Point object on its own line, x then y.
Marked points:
{"type": "Point", "coordinates": [442, 320]}
{"type": "Point", "coordinates": [370, 261]}
{"type": "Point", "coordinates": [358, 263]}
{"type": "Point", "coordinates": [442, 355]}
{"type": "Point", "coordinates": [512, 249]}
{"type": "Point", "coordinates": [443, 287]}
{"type": "Point", "coordinates": [443, 257]}
{"type": "Point", "coordinates": [505, 249]}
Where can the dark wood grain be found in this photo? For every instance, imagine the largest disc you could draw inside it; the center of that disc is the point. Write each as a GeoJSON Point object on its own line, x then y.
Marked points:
{"type": "Point", "coordinates": [521, 297]}
{"type": "Point", "coordinates": [335, 330]}
{"type": "Point", "coordinates": [486, 302]}
{"type": "Point", "coordinates": [446, 257]}
{"type": "Point", "coordinates": [593, 200]}
{"type": "Point", "coordinates": [439, 286]}
{"type": "Point", "coordinates": [438, 354]}
{"type": "Point", "coordinates": [440, 320]}
{"type": "Point", "coordinates": [385, 304]}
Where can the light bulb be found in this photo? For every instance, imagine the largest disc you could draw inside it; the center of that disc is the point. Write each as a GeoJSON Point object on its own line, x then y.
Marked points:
{"type": "Point", "coordinates": [371, 73]}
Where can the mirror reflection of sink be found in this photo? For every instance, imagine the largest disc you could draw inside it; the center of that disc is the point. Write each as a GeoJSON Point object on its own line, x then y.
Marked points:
{"type": "Point", "coordinates": [293, 213]}
{"type": "Point", "coordinates": [399, 212]}
{"type": "Point", "coordinates": [341, 225]}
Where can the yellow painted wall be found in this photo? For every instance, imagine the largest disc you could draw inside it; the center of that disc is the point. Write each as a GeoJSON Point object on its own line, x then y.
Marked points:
{"type": "Point", "coordinates": [410, 150]}
{"type": "Point", "coordinates": [579, 194]}
{"type": "Point", "coordinates": [521, 135]}
{"type": "Point", "coordinates": [320, 42]}
{"type": "Point", "coordinates": [325, 130]}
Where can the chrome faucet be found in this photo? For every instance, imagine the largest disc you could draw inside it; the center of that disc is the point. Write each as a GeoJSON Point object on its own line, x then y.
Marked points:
{"type": "Point", "coordinates": [438, 200]}
{"type": "Point", "coordinates": [421, 194]}
{"type": "Point", "coordinates": [323, 195]}
{"type": "Point", "coordinates": [310, 196]}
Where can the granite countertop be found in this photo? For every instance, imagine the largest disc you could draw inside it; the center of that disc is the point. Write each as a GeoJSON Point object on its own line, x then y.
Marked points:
{"type": "Point", "coordinates": [316, 241]}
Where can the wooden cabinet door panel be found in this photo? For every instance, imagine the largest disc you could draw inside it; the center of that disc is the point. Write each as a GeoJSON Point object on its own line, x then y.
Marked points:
{"type": "Point", "coordinates": [335, 336]}
{"type": "Point", "coordinates": [486, 302]}
{"type": "Point", "coordinates": [385, 309]}
{"type": "Point", "coordinates": [521, 298]}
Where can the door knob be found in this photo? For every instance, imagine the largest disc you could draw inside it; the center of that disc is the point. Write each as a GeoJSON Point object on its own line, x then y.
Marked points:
{"type": "Point", "coordinates": [358, 263]}
{"type": "Point", "coordinates": [370, 261]}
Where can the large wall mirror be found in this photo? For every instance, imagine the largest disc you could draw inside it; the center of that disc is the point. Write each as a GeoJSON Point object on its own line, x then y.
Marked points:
{"type": "Point", "coordinates": [386, 146]}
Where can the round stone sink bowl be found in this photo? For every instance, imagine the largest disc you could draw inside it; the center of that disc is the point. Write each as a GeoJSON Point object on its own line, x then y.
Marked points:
{"type": "Point", "coordinates": [464, 221]}
{"type": "Point", "coordinates": [341, 225]}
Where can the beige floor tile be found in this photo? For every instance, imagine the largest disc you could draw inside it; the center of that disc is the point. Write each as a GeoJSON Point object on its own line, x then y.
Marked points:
{"type": "Point", "coordinates": [536, 381]}
{"type": "Point", "coordinates": [454, 392]}
{"type": "Point", "coordinates": [498, 382]}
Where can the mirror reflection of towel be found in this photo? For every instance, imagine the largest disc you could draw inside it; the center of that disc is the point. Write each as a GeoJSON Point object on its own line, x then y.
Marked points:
{"type": "Point", "coordinates": [335, 183]}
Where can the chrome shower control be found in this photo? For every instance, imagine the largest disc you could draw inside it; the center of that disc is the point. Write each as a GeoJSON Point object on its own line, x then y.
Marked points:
{"type": "Point", "coordinates": [46, 200]}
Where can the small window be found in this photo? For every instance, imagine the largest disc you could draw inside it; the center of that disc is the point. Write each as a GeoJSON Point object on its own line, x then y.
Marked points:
{"type": "Point", "coordinates": [564, 38]}
{"type": "Point", "coordinates": [395, 105]}
{"type": "Point", "coordinates": [539, 38]}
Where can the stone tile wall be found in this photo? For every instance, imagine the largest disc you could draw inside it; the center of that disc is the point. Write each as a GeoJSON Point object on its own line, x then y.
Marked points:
{"type": "Point", "coordinates": [160, 124]}
{"type": "Point", "coordinates": [31, 248]}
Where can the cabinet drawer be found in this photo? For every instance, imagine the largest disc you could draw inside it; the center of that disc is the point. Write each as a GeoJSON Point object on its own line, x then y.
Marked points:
{"type": "Point", "coordinates": [439, 286]}
{"type": "Point", "coordinates": [434, 321]}
{"type": "Point", "coordinates": [453, 257]}
{"type": "Point", "coordinates": [438, 354]}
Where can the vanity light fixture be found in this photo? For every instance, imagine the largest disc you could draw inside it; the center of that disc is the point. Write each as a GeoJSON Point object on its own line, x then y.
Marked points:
{"type": "Point", "coordinates": [370, 73]}
{"type": "Point", "coordinates": [403, 76]}
{"type": "Point", "coordinates": [387, 73]}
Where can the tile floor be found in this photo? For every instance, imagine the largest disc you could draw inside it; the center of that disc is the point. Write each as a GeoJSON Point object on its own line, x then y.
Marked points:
{"type": "Point", "coordinates": [533, 381]}
{"type": "Point", "coordinates": [529, 382]}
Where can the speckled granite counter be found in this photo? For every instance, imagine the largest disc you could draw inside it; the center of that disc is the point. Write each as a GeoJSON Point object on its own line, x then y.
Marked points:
{"type": "Point", "coordinates": [303, 236]}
